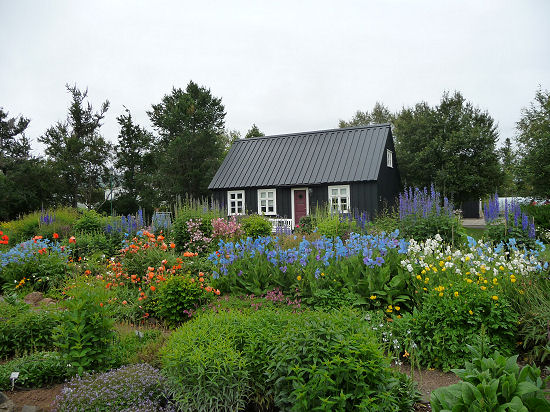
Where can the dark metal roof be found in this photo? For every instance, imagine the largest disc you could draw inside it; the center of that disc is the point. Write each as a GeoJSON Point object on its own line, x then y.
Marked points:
{"type": "Point", "coordinates": [326, 156]}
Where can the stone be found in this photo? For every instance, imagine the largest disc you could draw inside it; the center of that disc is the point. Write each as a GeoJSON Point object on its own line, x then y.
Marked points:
{"type": "Point", "coordinates": [6, 405]}
{"type": "Point", "coordinates": [27, 408]}
{"type": "Point", "coordinates": [47, 301]}
{"type": "Point", "coordinates": [33, 298]}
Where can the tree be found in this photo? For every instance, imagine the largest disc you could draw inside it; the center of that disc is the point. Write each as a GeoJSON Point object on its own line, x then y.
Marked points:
{"type": "Point", "coordinates": [508, 164]}
{"type": "Point", "coordinates": [452, 145]}
{"type": "Point", "coordinates": [379, 114]}
{"type": "Point", "coordinates": [13, 143]}
{"type": "Point", "coordinates": [533, 136]}
{"type": "Point", "coordinates": [77, 151]}
{"type": "Point", "coordinates": [191, 128]}
{"type": "Point", "coordinates": [254, 132]}
{"type": "Point", "coordinates": [135, 163]}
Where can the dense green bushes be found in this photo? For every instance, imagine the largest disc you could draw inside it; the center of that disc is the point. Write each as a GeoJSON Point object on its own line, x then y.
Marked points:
{"type": "Point", "coordinates": [306, 361]}
{"type": "Point", "coordinates": [35, 370]}
{"type": "Point", "coordinates": [255, 226]}
{"type": "Point", "coordinates": [541, 214]}
{"type": "Point", "coordinates": [24, 331]}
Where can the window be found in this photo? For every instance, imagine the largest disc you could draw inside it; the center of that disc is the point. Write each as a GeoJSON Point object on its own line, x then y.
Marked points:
{"type": "Point", "coordinates": [338, 197]}
{"type": "Point", "coordinates": [235, 202]}
{"type": "Point", "coordinates": [267, 201]}
{"type": "Point", "coordinates": [389, 157]}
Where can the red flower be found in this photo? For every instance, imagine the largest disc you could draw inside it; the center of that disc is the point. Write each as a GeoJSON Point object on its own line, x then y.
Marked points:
{"type": "Point", "coordinates": [72, 239]}
{"type": "Point", "coordinates": [55, 236]}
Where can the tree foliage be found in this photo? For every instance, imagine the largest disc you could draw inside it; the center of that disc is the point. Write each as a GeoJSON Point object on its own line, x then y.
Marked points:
{"type": "Point", "coordinates": [135, 164]}
{"type": "Point", "coordinates": [533, 136]}
{"type": "Point", "coordinates": [507, 156]}
{"type": "Point", "coordinates": [452, 145]}
{"type": "Point", "coordinates": [254, 131]}
{"type": "Point", "coordinates": [13, 143]}
{"type": "Point", "coordinates": [190, 123]}
{"type": "Point", "coordinates": [379, 114]}
{"type": "Point", "coordinates": [76, 150]}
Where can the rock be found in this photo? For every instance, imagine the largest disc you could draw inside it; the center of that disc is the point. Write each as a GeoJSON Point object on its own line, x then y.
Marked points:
{"type": "Point", "coordinates": [6, 405]}
{"type": "Point", "coordinates": [33, 298]}
{"type": "Point", "coordinates": [47, 301]}
{"type": "Point", "coordinates": [27, 408]}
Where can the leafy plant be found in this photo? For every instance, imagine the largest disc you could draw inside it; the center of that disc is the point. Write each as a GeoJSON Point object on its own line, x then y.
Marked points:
{"type": "Point", "coordinates": [493, 384]}
{"type": "Point", "coordinates": [24, 331]}
{"type": "Point", "coordinates": [35, 371]}
{"type": "Point", "coordinates": [180, 296]}
{"type": "Point", "coordinates": [85, 334]}
{"type": "Point", "coordinates": [89, 222]}
{"type": "Point", "coordinates": [255, 226]}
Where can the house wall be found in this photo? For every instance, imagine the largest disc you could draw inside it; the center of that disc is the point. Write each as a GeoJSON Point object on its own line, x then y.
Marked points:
{"type": "Point", "coordinates": [364, 197]}
{"type": "Point", "coordinates": [389, 179]}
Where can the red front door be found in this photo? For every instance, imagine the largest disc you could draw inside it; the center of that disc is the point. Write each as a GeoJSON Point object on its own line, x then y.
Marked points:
{"type": "Point", "coordinates": [300, 205]}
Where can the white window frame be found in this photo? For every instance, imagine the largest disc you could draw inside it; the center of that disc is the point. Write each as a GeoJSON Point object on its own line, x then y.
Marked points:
{"type": "Point", "coordinates": [389, 158]}
{"type": "Point", "coordinates": [267, 191]}
{"type": "Point", "coordinates": [229, 200]}
{"type": "Point", "coordinates": [339, 197]}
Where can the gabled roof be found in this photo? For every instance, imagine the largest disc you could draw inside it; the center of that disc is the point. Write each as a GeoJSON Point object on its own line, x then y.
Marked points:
{"type": "Point", "coordinates": [326, 156]}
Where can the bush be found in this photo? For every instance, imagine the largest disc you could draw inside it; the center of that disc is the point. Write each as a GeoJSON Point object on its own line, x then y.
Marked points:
{"type": "Point", "coordinates": [541, 214]}
{"type": "Point", "coordinates": [494, 383]}
{"type": "Point", "coordinates": [89, 222]}
{"type": "Point", "coordinates": [24, 331]}
{"type": "Point", "coordinates": [307, 224]}
{"type": "Point", "coordinates": [307, 361]}
{"type": "Point", "coordinates": [35, 264]}
{"type": "Point", "coordinates": [138, 388]}
{"type": "Point", "coordinates": [424, 214]}
{"type": "Point", "coordinates": [450, 318]}
{"type": "Point", "coordinates": [255, 226]}
{"type": "Point", "coordinates": [179, 297]}
{"type": "Point", "coordinates": [335, 226]}
{"type": "Point", "coordinates": [98, 243]}
{"type": "Point", "coordinates": [85, 334]}
{"type": "Point", "coordinates": [195, 236]}
{"type": "Point", "coordinates": [36, 370]}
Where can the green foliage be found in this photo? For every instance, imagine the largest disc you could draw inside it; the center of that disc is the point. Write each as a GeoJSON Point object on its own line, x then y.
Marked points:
{"type": "Point", "coordinates": [334, 225]}
{"type": "Point", "coordinates": [23, 330]}
{"type": "Point", "coordinates": [452, 144]}
{"type": "Point", "coordinates": [541, 214]}
{"type": "Point", "coordinates": [178, 297]}
{"type": "Point", "coordinates": [35, 371]}
{"type": "Point", "coordinates": [379, 114]}
{"type": "Point", "coordinates": [498, 232]}
{"type": "Point", "coordinates": [493, 384]}
{"type": "Point", "coordinates": [254, 131]}
{"type": "Point", "coordinates": [444, 325]}
{"type": "Point", "coordinates": [97, 243]}
{"type": "Point", "coordinates": [198, 238]}
{"type": "Point", "coordinates": [190, 123]}
{"type": "Point", "coordinates": [89, 222]}
{"type": "Point", "coordinates": [85, 334]}
{"type": "Point", "coordinates": [130, 347]}
{"type": "Point", "coordinates": [306, 225]}
{"type": "Point", "coordinates": [255, 226]}
{"type": "Point", "coordinates": [266, 359]}
{"type": "Point", "coordinates": [534, 142]}
{"type": "Point", "coordinates": [420, 229]}
{"type": "Point", "coordinates": [76, 150]}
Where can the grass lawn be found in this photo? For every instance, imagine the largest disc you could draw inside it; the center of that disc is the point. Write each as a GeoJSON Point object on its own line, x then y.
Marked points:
{"type": "Point", "coordinates": [474, 232]}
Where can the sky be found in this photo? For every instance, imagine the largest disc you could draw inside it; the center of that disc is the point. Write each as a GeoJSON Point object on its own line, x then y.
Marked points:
{"type": "Point", "coordinates": [287, 66]}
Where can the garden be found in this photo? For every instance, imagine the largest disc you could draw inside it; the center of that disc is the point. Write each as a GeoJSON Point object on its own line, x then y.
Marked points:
{"type": "Point", "coordinates": [216, 313]}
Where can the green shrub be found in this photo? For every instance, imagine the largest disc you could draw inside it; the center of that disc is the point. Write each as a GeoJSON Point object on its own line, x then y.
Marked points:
{"type": "Point", "coordinates": [307, 224]}
{"type": "Point", "coordinates": [33, 265]}
{"type": "Point", "coordinates": [255, 226]}
{"type": "Point", "coordinates": [89, 222]}
{"type": "Point", "coordinates": [265, 359]}
{"type": "Point", "coordinates": [24, 331]}
{"type": "Point", "coordinates": [85, 334]}
{"type": "Point", "coordinates": [99, 243]}
{"type": "Point", "coordinates": [129, 347]}
{"type": "Point", "coordinates": [178, 297]}
{"type": "Point", "coordinates": [199, 238]}
{"type": "Point", "coordinates": [335, 226]}
{"type": "Point", "coordinates": [444, 325]}
{"type": "Point", "coordinates": [541, 214]}
{"type": "Point", "coordinates": [36, 370]}
{"type": "Point", "coordinates": [493, 384]}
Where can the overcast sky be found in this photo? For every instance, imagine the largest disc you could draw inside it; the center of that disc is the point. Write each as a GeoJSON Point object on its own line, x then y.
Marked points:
{"type": "Point", "coordinates": [287, 66]}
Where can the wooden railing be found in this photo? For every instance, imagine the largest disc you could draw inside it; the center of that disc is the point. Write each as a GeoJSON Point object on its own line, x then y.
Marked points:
{"type": "Point", "coordinates": [281, 225]}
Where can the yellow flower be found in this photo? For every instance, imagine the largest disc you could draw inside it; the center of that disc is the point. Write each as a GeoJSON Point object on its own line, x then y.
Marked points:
{"type": "Point", "coordinates": [299, 277]}
{"type": "Point", "coordinates": [443, 269]}
{"type": "Point", "coordinates": [440, 294]}
{"type": "Point", "coordinates": [467, 258]}
{"type": "Point", "coordinates": [449, 258]}
{"type": "Point", "coordinates": [513, 280]}
{"type": "Point", "coordinates": [423, 272]}
{"type": "Point", "coordinates": [322, 274]}
{"type": "Point", "coordinates": [390, 307]}
{"type": "Point", "coordinates": [501, 267]}
{"type": "Point", "coordinates": [470, 312]}
{"type": "Point", "coordinates": [389, 310]}
{"type": "Point", "coordinates": [467, 273]}
{"type": "Point", "coordinates": [435, 270]}
{"type": "Point", "coordinates": [483, 288]}
{"type": "Point", "coordinates": [419, 277]}
{"type": "Point", "coordinates": [469, 280]}
{"type": "Point", "coordinates": [495, 297]}
{"type": "Point", "coordinates": [441, 263]}
{"type": "Point", "coordinates": [426, 280]}
{"type": "Point", "coordinates": [397, 308]}
{"type": "Point", "coordinates": [424, 289]}
{"type": "Point", "coordinates": [456, 294]}
{"type": "Point", "coordinates": [372, 297]}
{"type": "Point", "coordinates": [521, 292]}
{"type": "Point", "coordinates": [427, 268]}
{"type": "Point", "coordinates": [495, 281]}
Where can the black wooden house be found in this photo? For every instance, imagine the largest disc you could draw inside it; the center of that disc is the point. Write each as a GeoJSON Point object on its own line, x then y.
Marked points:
{"type": "Point", "coordinates": [287, 176]}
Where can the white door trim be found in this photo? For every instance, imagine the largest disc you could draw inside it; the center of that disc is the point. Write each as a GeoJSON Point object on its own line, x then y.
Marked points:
{"type": "Point", "coordinates": [292, 202]}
